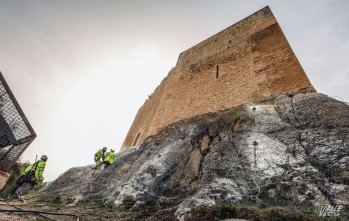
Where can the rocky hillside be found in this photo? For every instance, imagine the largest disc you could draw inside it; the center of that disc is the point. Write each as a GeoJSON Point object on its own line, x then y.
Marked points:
{"type": "Point", "coordinates": [290, 149]}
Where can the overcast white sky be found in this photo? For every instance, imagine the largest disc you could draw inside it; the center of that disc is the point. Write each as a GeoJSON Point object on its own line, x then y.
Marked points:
{"type": "Point", "coordinates": [81, 69]}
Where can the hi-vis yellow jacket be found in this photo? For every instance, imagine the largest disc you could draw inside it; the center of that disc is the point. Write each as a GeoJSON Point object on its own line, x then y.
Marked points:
{"type": "Point", "coordinates": [109, 157]}
{"type": "Point", "coordinates": [38, 169]}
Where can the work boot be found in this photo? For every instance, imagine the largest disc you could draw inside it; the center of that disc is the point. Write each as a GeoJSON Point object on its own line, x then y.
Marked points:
{"type": "Point", "coordinates": [21, 198]}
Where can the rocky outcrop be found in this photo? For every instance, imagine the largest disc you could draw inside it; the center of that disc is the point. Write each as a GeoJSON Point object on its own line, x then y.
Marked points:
{"type": "Point", "coordinates": [290, 149]}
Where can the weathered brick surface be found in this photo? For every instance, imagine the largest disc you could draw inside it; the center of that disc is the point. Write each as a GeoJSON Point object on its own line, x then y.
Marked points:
{"type": "Point", "coordinates": [253, 59]}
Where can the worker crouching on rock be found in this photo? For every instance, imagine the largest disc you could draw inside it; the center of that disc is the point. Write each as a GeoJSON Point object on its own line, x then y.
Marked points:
{"type": "Point", "coordinates": [109, 158]}
{"type": "Point", "coordinates": [99, 157]}
{"type": "Point", "coordinates": [31, 176]}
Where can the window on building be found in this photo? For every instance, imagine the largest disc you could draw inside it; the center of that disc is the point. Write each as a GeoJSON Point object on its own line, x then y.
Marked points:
{"type": "Point", "coordinates": [217, 72]}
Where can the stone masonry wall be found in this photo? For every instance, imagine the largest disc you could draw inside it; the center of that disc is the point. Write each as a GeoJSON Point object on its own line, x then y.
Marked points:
{"type": "Point", "coordinates": [243, 63]}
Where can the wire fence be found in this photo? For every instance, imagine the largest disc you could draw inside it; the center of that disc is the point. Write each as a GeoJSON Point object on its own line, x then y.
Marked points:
{"type": "Point", "coordinates": [16, 133]}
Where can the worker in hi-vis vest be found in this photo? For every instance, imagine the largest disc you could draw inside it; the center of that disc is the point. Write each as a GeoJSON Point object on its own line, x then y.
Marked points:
{"type": "Point", "coordinates": [99, 157]}
{"type": "Point", "coordinates": [31, 176]}
{"type": "Point", "coordinates": [109, 158]}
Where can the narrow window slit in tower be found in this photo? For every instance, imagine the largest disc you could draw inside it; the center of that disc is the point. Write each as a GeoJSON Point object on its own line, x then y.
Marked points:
{"type": "Point", "coordinates": [217, 71]}
{"type": "Point", "coordinates": [134, 144]}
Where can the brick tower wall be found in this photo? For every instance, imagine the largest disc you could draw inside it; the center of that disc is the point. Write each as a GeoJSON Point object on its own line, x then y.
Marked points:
{"type": "Point", "coordinates": [247, 61]}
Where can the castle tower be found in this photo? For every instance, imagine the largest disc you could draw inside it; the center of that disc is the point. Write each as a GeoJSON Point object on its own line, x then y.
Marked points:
{"type": "Point", "coordinates": [247, 61]}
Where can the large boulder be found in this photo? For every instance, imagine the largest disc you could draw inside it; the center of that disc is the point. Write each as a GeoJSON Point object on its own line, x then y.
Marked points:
{"type": "Point", "coordinates": [290, 149]}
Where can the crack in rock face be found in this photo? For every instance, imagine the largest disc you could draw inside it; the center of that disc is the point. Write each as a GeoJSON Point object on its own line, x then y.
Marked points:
{"type": "Point", "coordinates": [292, 149]}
